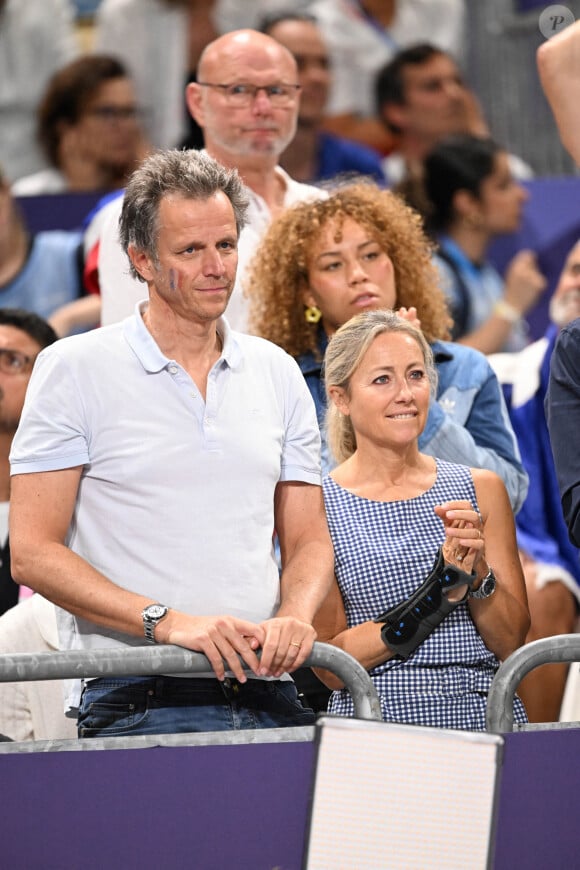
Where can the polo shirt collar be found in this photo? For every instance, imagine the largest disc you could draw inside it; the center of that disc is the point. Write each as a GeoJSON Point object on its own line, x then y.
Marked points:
{"type": "Point", "coordinates": [150, 355]}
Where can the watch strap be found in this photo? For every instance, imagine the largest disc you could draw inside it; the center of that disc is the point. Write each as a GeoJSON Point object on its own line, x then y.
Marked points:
{"type": "Point", "coordinates": [152, 615]}
{"type": "Point", "coordinates": [486, 587]}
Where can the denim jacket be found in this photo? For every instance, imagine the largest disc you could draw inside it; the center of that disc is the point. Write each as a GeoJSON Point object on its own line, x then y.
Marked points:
{"type": "Point", "coordinates": [468, 422]}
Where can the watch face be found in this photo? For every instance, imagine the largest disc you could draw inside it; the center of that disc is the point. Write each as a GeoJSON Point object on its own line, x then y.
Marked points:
{"type": "Point", "coordinates": [488, 585]}
{"type": "Point", "coordinates": [155, 611]}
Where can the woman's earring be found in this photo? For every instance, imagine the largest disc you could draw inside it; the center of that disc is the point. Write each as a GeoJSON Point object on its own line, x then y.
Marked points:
{"type": "Point", "coordinates": [312, 314]}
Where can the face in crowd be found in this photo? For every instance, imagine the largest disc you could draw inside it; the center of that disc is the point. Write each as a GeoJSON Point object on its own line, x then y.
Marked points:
{"type": "Point", "coordinates": [247, 96]}
{"type": "Point", "coordinates": [348, 272]}
{"type": "Point", "coordinates": [194, 270]}
{"type": "Point", "coordinates": [304, 41]}
{"type": "Point", "coordinates": [388, 394]}
{"type": "Point", "coordinates": [18, 350]}
{"type": "Point", "coordinates": [435, 100]}
{"type": "Point", "coordinates": [565, 302]}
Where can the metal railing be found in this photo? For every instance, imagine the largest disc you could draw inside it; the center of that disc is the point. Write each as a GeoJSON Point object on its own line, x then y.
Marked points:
{"type": "Point", "coordinates": [548, 650]}
{"type": "Point", "coordinates": [148, 660]}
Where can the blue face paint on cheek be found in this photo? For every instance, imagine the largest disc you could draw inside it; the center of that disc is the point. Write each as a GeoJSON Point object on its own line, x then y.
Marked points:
{"type": "Point", "coordinates": [172, 280]}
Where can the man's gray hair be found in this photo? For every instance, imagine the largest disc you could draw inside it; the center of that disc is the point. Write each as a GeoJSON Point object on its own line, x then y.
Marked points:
{"type": "Point", "coordinates": [189, 174]}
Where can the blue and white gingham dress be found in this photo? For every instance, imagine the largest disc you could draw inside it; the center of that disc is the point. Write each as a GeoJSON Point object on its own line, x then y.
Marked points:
{"type": "Point", "coordinates": [383, 552]}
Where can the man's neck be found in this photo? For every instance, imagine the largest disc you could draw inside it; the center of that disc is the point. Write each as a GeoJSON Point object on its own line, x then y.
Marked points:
{"type": "Point", "coordinates": [196, 346]}
{"type": "Point", "coordinates": [258, 172]}
{"type": "Point", "coordinates": [413, 148]}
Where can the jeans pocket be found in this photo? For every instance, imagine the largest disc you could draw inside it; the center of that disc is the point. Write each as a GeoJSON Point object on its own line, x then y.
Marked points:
{"type": "Point", "coordinates": [288, 704]}
{"type": "Point", "coordinates": [102, 719]}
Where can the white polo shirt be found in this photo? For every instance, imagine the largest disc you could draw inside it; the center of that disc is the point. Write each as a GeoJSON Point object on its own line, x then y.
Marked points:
{"type": "Point", "coordinates": [176, 499]}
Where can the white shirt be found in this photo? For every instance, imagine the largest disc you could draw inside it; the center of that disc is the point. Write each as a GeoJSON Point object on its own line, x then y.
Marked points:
{"type": "Point", "coordinates": [176, 499]}
{"type": "Point", "coordinates": [41, 182]}
{"type": "Point", "coordinates": [120, 292]}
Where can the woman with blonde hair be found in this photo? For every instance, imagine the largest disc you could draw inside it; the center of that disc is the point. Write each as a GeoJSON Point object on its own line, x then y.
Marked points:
{"type": "Point", "coordinates": [429, 591]}
{"type": "Point", "coordinates": [322, 262]}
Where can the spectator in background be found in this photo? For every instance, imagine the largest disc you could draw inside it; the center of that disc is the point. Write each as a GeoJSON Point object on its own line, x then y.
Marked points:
{"type": "Point", "coordinates": [246, 102]}
{"type": "Point", "coordinates": [36, 38]}
{"type": "Point", "coordinates": [315, 155]}
{"type": "Point", "coordinates": [362, 35]}
{"type": "Point", "coordinates": [421, 98]}
{"type": "Point", "coordinates": [469, 196]}
{"type": "Point", "coordinates": [551, 564]}
{"type": "Point", "coordinates": [89, 128]}
{"type": "Point", "coordinates": [30, 709]}
{"type": "Point", "coordinates": [160, 41]}
{"type": "Point", "coordinates": [39, 272]}
{"type": "Point", "coordinates": [22, 336]}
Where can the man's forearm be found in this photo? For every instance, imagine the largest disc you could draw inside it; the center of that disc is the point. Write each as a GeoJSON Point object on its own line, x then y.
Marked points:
{"type": "Point", "coordinates": [306, 581]}
{"type": "Point", "coordinates": [69, 581]}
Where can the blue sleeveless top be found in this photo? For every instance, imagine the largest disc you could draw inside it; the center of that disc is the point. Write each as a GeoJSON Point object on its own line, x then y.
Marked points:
{"type": "Point", "coordinates": [383, 552]}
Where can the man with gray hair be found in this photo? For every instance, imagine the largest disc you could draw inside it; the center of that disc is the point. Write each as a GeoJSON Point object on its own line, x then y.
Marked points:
{"type": "Point", "coordinates": [155, 459]}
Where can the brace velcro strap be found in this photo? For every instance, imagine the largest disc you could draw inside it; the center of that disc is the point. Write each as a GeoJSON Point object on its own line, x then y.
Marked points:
{"type": "Point", "coordinates": [408, 624]}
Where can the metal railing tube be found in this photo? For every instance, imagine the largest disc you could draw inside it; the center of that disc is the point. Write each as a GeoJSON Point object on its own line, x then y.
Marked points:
{"type": "Point", "coordinates": [548, 650]}
{"type": "Point", "coordinates": [146, 660]}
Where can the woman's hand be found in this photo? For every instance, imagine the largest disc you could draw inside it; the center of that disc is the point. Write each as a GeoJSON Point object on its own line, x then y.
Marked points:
{"type": "Point", "coordinates": [464, 545]}
{"type": "Point", "coordinates": [410, 315]}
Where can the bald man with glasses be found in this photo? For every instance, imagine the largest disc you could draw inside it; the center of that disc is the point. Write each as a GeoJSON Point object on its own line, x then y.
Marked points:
{"type": "Point", "coordinates": [246, 101]}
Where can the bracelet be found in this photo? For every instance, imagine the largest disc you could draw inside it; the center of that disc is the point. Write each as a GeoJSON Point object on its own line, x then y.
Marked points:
{"type": "Point", "coordinates": [506, 311]}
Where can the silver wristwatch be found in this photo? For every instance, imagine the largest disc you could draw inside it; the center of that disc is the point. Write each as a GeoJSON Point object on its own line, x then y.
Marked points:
{"type": "Point", "coordinates": [153, 614]}
{"type": "Point", "coordinates": [486, 588]}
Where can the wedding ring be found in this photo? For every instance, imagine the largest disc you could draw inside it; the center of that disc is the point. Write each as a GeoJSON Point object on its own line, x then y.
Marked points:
{"type": "Point", "coordinates": [293, 643]}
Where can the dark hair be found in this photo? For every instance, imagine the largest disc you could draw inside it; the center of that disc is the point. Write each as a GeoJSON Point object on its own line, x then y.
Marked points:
{"type": "Point", "coordinates": [268, 21]}
{"type": "Point", "coordinates": [34, 326]}
{"type": "Point", "coordinates": [67, 94]}
{"type": "Point", "coordinates": [458, 162]}
{"type": "Point", "coordinates": [389, 82]}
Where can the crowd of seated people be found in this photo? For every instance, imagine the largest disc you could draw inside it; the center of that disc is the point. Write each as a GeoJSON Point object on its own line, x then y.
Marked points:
{"type": "Point", "coordinates": [377, 101]}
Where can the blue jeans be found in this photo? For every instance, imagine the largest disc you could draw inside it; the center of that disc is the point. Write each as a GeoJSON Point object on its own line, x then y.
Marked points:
{"type": "Point", "coordinates": [173, 705]}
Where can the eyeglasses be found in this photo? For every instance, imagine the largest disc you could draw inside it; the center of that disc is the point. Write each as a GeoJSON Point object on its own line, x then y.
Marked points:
{"type": "Point", "coordinates": [112, 114]}
{"type": "Point", "coordinates": [243, 94]}
{"type": "Point", "coordinates": [13, 362]}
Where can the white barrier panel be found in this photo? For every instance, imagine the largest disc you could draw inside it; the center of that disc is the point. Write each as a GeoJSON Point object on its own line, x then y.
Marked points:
{"type": "Point", "coordinates": [401, 796]}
